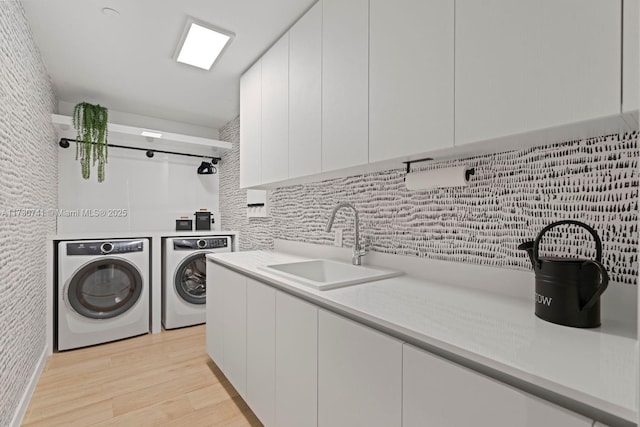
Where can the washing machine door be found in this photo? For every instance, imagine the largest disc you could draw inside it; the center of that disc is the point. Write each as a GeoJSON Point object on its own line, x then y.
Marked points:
{"type": "Point", "coordinates": [191, 279]}
{"type": "Point", "coordinates": [104, 288]}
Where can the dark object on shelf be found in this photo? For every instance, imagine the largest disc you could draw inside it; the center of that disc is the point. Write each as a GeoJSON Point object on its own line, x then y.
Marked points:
{"type": "Point", "coordinates": [568, 290]}
{"type": "Point", "coordinates": [203, 220]}
{"type": "Point", "coordinates": [184, 224]}
{"type": "Point", "coordinates": [207, 168]}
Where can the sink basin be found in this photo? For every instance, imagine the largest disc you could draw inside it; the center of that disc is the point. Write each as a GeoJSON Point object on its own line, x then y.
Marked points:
{"type": "Point", "coordinates": [325, 274]}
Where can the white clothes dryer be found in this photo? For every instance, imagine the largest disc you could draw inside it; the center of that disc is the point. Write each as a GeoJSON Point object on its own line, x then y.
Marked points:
{"type": "Point", "coordinates": [184, 281]}
{"type": "Point", "coordinates": [103, 291]}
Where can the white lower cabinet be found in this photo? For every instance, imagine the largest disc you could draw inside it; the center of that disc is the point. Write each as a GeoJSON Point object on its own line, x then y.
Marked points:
{"type": "Point", "coordinates": [300, 366]}
{"type": "Point", "coordinates": [226, 328]}
{"type": "Point", "coordinates": [234, 345]}
{"type": "Point", "coordinates": [296, 362]}
{"type": "Point", "coordinates": [214, 329]}
{"type": "Point", "coordinates": [266, 344]}
{"type": "Point", "coordinates": [261, 350]}
{"type": "Point", "coordinates": [436, 392]}
{"type": "Point", "coordinates": [359, 375]}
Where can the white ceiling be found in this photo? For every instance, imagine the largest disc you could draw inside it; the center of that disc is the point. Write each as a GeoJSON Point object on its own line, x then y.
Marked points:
{"type": "Point", "coordinates": [125, 62]}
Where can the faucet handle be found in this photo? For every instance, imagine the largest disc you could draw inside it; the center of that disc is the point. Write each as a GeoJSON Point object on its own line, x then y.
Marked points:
{"type": "Point", "coordinates": [360, 250]}
{"type": "Point", "coordinates": [366, 243]}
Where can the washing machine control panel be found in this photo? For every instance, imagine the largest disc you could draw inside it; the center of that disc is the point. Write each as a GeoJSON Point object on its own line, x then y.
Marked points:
{"type": "Point", "coordinates": [103, 248]}
{"type": "Point", "coordinates": [200, 243]}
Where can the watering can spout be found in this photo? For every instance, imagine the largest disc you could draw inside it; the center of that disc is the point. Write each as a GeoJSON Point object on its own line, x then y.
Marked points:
{"type": "Point", "coordinates": [528, 246]}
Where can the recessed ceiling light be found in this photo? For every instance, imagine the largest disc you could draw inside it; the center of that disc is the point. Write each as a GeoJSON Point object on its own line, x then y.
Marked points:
{"type": "Point", "coordinates": [201, 45]}
{"type": "Point", "coordinates": [151, 133]}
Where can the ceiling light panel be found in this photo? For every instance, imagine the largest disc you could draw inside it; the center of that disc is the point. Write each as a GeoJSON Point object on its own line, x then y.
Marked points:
{"type": "Point", "coordinates": [151, 133]}
{"type": "Point", "coordinates": [202, 45]}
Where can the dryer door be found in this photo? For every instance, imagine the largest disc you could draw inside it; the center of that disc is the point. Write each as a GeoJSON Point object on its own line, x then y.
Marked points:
{"type": "Point", "coordinates": [191, 279]}
{"type": "Point", "coordinates": [105, 288]}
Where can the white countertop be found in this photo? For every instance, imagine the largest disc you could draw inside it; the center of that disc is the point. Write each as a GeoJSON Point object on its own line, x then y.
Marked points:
{"type": "Point", "coordinates": [596, 367]}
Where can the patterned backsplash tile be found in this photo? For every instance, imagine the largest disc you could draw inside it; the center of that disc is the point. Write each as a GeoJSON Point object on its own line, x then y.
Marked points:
{"type": "Point", "coordinates": [511, 197]}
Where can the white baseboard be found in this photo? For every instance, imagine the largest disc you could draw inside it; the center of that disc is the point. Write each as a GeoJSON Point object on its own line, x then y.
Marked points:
{"type": "Point", "coordinates": [26, 396]}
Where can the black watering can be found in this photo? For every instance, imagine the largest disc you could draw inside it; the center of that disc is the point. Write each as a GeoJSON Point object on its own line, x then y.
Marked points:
{"type": "Point", "coordinates": [568, 290]}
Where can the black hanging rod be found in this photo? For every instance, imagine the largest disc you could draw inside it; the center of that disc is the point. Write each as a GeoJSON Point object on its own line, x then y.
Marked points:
{"type": "Point", "coordinates": [64, 143]}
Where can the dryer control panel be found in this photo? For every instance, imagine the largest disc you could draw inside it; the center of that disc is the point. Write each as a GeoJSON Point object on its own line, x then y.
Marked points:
{"type": "Point", "coordinates": [200, 243]}
{"type": "Point", "coordinates": [105, 247]}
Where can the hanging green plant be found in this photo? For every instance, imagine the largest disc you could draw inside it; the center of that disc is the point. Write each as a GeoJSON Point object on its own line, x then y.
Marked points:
{"type": "Point", "coordinates": [90, 122]}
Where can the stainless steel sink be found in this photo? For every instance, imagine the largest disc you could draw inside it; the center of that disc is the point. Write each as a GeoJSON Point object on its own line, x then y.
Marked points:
{"type": "Point", "coordinates": [325, 274]}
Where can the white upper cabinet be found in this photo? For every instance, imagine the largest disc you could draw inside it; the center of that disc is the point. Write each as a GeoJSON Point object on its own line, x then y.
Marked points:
{"type": "Point", "coordinates": [345, 83]}
{"type": "Point", "coordinates": [630, 56]}
{"type": "Point", "coordinates": [436, 392]}
{"type": "Point", "coordinates": [522, 65]}
{"type": "Point", "coordinates": [410, 77]}
{"type": "Point", "coordinates": [305, 91]}
{"type": "Point", "coordinates": [275, 112]}
{"type": "Point", "coordinates": [251, 126]}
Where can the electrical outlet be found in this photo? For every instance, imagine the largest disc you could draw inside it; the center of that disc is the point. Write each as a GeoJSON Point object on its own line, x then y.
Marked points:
{"type": "Point", "coordinates": [337, 237]}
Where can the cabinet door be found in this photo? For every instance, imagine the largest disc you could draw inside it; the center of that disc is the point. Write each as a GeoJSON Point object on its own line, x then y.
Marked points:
{"type": "Point", "coordinates": [523, 65]}
{"type": "Point", "coordinates": [630, 56]}
{"type": "Point", "coordinates": [345, 83]}
{"type": "Point", "coordinates": [261, 346]}
{"type": "Point", "coordinates": [296, 362]}
{"type": "Point", "coordinates": [251, 126]}
{"type": "Point", "coordinates": [305, 65]}
{"type": "Point", "coordinates": [275, 112]}
{"type": "Point", "coordinates": [411, 77]}
{"type": "Point", "coordinates": [217, 276]}
{"type": "Point", "coordinates": [359, 375]}
{"type": "Point", "coordinates": [435, 390]}
{"type": "Point", "coordinates": [234, 345]}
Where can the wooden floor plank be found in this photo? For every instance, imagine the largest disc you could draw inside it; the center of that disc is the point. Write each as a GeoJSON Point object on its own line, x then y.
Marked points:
{"type": "Point", "coordinates": [159, 379]}
{"type": "Point", "coordinates": [79, 417]}
{"type": "Point", "coordinates": [152, 415]}
{"type": "Point", "coordinates": [230, 412]}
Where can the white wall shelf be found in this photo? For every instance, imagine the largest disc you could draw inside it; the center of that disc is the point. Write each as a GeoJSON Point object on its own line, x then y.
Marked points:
{"type": "Point", "coordinates": [131, 136]}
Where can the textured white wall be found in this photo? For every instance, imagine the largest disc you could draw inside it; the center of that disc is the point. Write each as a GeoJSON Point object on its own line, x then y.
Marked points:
{"type": "Point", "coordinates": [28, 176]}
{"type": "Point", "coordinates": [255, 233]}
{"type": "Point", "coordinates": [138, 193]}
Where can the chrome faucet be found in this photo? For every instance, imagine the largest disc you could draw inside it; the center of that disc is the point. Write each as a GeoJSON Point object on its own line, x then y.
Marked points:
{"type": "Point", "coordinates": [358, 251]}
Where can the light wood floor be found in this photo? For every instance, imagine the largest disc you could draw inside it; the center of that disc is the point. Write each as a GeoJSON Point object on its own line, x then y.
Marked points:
{"type": "Point", "coordinates": [164, 379]}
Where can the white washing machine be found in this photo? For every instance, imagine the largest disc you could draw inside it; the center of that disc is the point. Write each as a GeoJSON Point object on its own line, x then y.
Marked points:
{"type": "Point", "coordinates": [103, 291]}
{"type": "Point", "coordinates": [184, 283]}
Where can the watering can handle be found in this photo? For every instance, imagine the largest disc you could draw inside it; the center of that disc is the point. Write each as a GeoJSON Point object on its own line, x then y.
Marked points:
{"type": "Point", "coordinates": [604, 281]}
{"type": "Point", "coordinates": [536, 243]}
